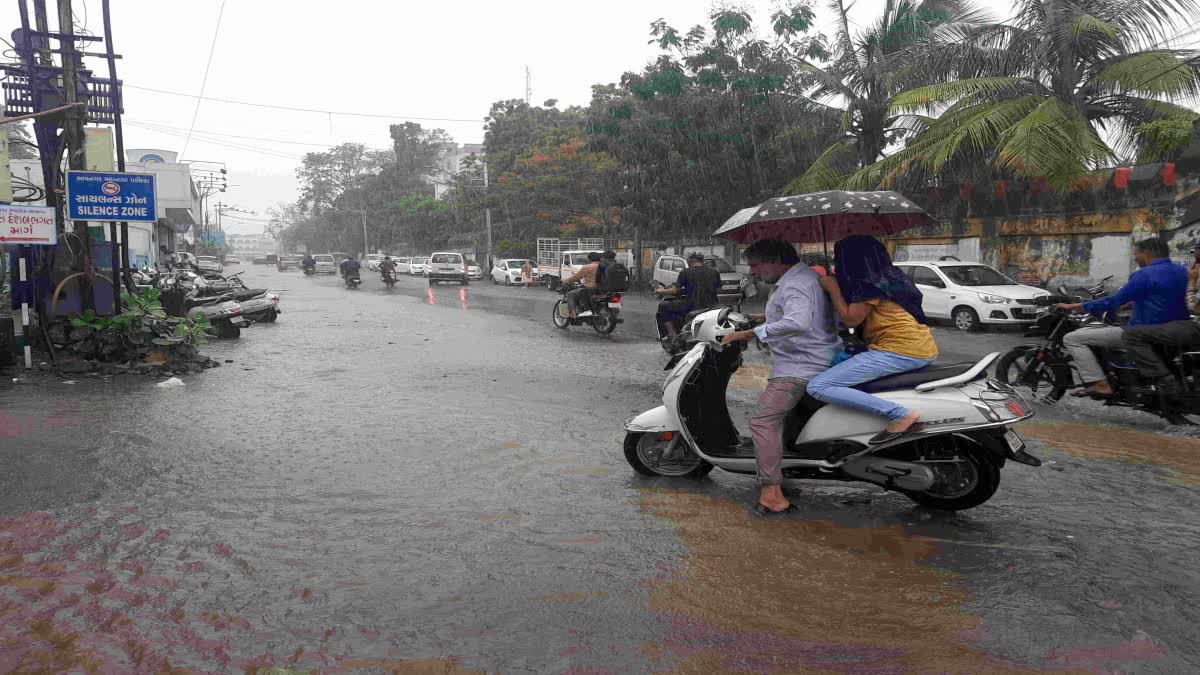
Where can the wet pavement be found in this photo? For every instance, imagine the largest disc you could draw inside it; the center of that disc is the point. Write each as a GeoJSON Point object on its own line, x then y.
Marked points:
{"type": "Point", "coordinates": [427, 481]}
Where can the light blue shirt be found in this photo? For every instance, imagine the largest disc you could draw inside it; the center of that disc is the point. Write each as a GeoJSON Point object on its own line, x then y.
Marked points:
{"type": "Point", "coordinates": [800, 329]}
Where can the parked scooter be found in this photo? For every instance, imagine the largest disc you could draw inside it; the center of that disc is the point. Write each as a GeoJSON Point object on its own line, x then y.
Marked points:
{"type": "Point", "coordinates": [224, 314]}
{"type": "Point", "coordinates": [953, 462]}
{"type": "Point", "coordinates": [604, 315]}
{"type": "Point", "coordinates": [258, 304]}
{"type": "Point", "coordinates": [1048, 368]}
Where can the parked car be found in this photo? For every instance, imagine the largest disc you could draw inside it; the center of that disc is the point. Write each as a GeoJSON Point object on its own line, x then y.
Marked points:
{"type": "Point", "coordinates": [272, 259]}
{"type": "Point", "coordinates": [232, 260]}
{"type": "Point", "coordinates": [259, 260]}
{"type": "Point", "coordinates": [403, 265]}
{"type": "Point", "coordinates": [668, 267]}
{"type": "Point", "coordinates": [209, 263]}
{"type": "Point", "coordinates": [373, 261]}
{"type": "Point", "coordinates": [288, 262]}
{"type": "Point", "coordinates": [447, 266]}
{"type": "Point", "coordinates": [417, 267]}
{"type": "Point", "coordinates": [508, 272]}
{"type": "Point", "coordinates": [971, 294]}
{"type": "Point", "coordinates": [325, 263]}
{"type": "Point", "coordinates": [474, 271]}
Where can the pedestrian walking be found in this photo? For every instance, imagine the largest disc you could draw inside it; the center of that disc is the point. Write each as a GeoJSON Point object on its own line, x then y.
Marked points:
{"type": "Point", "coordinates": [527, 274]}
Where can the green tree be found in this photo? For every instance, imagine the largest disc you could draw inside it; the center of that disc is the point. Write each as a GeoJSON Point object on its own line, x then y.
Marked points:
{"type": "Point", "coordinates": [702, 130]}
{"type": "Point", "coordinates": [1062, 89]}
{"type": "Point", "coordinates": [867, 70]}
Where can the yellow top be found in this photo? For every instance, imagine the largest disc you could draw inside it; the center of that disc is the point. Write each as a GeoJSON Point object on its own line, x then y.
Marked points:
{"type": "Point", "coordinates": [888, 327]}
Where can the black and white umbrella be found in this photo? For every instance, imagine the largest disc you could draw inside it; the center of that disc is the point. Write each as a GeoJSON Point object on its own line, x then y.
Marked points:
{"type": "Point", "coordinates": [824, 217]}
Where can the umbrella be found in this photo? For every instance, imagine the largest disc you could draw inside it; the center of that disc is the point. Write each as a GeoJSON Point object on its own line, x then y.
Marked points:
{"type": "Point", "coordinates": [824, 216]}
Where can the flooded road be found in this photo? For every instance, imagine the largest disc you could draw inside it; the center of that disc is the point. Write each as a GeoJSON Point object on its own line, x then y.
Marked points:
{"type": "Point", "coordinates": [432, 481]}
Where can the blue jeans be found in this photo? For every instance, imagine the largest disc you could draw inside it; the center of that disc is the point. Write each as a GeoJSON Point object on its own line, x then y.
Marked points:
{"type": "Point", "coordinates": [834, 385]}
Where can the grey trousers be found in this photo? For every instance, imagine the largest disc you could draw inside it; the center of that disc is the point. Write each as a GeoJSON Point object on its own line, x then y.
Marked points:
{"type": "Point", "coordinates": [1175, 336]}
{"type": "Point", "coordinates": [766, 425]}
{"type": "Point", "coordinates": [1080, 343]}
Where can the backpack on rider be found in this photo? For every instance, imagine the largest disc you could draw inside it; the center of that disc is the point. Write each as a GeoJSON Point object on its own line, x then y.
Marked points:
{"type": "Point", "coordinates": [613, 277]}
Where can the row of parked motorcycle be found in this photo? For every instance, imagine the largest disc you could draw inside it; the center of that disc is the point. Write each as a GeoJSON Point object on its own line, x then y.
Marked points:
{"type": "Point", "coordinates": [226, 301]}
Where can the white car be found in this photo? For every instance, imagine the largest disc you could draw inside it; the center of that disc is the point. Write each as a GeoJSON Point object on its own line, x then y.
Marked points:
{"type": "Point", "coordinates": [209, 263]}
{"type": "Point", "coordinates": [325, 263]}
{"type": "Point", "coordinates": [416, 266]}
{"type": "Point", "coordinates": [474, 271]}
{"type": "Point", "coordinates": [668, 267]}
{"type": "Point", "coordinates": [373, 261]}
{"type": "Point", "coordinates": [447, 266]}
{"type": "Point", "coordinates": [971, 294]}
{"type": "Point", "coordinates": [508, 272]}
{"type": "Point", "coordinates": [403, 265]}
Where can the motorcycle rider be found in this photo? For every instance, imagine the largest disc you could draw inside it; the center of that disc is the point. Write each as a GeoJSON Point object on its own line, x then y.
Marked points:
{"type": "Point", "coordinates": [695, 288]}
{"type": "Point", "coordinates": [386, 266]}
{"type": "Point", "coordinates": [799, 328]}
{"type": "Point", "coordinates": [1158, 292]}
{"type": "Point", "coordinates": [309, 262]}
{"type": "Point", "coordinates": [350, 266]}
{"type": "Point", "coordinates": [581, 298]}
{"type": "Point", "coordinates": [1194, 279]}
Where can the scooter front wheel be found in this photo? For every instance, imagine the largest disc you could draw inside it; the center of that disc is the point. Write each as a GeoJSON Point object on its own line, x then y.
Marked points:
{"type": "Point", "coordinates": [650, 454]}
{"type": "Point", "coordinates": [561, 315]}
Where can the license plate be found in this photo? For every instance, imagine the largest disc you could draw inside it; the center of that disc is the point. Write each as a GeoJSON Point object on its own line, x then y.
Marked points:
{"type": "Point", "coordinates": [614, 305]}
{"type": "Point", "coordinates": [237, 320]}
{"type": "Point", "coordinates": [1015, 443]}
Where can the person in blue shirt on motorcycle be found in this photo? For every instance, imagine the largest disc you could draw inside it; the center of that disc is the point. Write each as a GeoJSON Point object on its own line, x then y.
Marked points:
{"type": "Point", "coordinates": [1158, 291]}
{"type": "Point", "coordinates": [308, 262]}
{"type": "Point", "coordinates": [350, 266]}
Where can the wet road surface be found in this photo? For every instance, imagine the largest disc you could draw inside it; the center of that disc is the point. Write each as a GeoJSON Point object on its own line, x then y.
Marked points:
{"type": "Point", "coordinates": [413, 481]}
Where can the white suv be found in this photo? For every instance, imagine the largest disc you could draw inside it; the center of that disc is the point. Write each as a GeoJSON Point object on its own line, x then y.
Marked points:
{"type": "Point", "coordinates": [447, 266]}
{"type": "Point", "coordinates": [972, 294]}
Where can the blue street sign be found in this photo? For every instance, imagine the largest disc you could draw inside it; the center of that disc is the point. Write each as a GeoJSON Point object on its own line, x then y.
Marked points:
{"type": "Point", "coordinates": [215, 238]}
{"type": "Point", "coordinates": [97, 195]}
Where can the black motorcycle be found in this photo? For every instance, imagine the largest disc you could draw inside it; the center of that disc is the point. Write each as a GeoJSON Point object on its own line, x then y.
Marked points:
{"type": "Point", "coordinates": [352, 280]}
{"type": "Point", "coordinates": [309, 270]}
{"type": "Point", "coordinates": [603, 314]}
{"type": "Point", "coordinates": [389, 277]}
{"type": "Point", "coordinates": [1047, 368]}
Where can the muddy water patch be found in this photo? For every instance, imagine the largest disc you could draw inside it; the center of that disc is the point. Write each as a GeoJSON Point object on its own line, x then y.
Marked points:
{"type": "Point", "coordinates": [1180, 455]}
{"type": "Point", "coordinates": [795, 595]}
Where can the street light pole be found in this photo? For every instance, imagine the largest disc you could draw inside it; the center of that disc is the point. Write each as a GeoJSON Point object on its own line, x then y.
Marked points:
{"type": "Point", "coordinates": [363, 213]}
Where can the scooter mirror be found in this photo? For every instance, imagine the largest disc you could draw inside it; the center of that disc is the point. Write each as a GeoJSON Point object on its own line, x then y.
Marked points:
{"type": "Point", "coordinates": [749, 289]}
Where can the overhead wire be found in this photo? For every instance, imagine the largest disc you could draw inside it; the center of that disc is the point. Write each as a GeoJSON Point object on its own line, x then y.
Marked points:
{"type": "Point", "coordinates": [229, 135]}
{"type": "Point", "coordinates": [298, 109]}
{"type": "Point", "coordinates": [204, 81]}
{"type": "Point", "coordinates": [213, 141]}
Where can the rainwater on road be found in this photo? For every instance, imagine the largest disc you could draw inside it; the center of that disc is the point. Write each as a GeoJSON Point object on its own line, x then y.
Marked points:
{"type": "Point", "coordinates": [432, 480]}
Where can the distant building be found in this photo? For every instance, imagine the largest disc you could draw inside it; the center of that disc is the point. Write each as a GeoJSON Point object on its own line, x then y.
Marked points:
{"type": "Point", "coordinates": [449, 166]}
{"type": "Point", "coordinates": [247, 246]}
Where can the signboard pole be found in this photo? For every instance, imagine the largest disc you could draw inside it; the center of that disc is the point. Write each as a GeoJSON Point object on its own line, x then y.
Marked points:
{"type": "Point", "coordinates": [25, 312]}
{"type": "Point", "coordinates": [115, 259]}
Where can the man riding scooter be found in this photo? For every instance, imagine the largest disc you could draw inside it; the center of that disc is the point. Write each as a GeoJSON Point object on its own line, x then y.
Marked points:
{"type": "Point", "coordinates": [309, 264]}
{"type": "Point", "coordinates": [387, 269]}
{"type": "Point", "coordinates": [1158, 291]}
{"type": "Point", "coordinates": [696, 288]}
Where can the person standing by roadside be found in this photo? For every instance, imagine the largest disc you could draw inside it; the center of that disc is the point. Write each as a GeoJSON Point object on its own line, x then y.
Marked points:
{"type": "Point", "coordinates": [799, 329]}
{"type": "Point", "coordinates": [527, 274]}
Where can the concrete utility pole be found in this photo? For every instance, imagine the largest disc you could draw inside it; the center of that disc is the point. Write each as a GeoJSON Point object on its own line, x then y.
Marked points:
{"type": "Point", "coordinates": [487, 217]}
{"type": "Point", "coordinates": [74, 117]}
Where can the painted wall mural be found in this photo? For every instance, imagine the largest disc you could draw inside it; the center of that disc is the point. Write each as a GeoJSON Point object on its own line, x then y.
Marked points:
{"type": "Point", "coordinates": [1038, 260]}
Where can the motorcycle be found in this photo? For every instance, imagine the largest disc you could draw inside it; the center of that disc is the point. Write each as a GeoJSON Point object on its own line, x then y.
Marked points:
{"type": "Point", "coordinates": [224, 314]}
{"type": "Point", "coordinates": [953, 462]}
{"type": "Point", "coordinates": [1048, 366]}
{"type": "Point", "coordinates": [603, 316]}
{"type": "Point", "coordinates": [309, 270]}
{"type": "Point", "coordinates": [352, 280]}
{"type": "Point", "coordinates": [389, 277]}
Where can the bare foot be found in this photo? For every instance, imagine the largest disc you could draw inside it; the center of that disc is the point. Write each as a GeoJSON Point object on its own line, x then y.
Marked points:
{"type": "Point", "coordinates": [904, 423]}
{"type": "Point", "coordinates": [771, 496]}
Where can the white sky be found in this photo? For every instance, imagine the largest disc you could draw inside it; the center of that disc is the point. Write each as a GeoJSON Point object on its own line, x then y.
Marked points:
{"type": "Point", "coordinates": [448, 59]}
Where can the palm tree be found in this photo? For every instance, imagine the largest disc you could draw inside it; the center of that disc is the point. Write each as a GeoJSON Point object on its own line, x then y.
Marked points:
{"type": "Point", "coordinates": [1062, 89]}
{"type": "Point", "coordinates": [857, 87]}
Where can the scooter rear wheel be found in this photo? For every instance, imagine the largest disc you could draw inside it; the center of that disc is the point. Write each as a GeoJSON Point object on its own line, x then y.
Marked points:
{"type": "Point", "coordinates": [962, 485]}
{"type": "Point", "coordinates": [644, 453]}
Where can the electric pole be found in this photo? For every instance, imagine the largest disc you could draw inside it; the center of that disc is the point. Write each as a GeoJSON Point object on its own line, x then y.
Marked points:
{"type": "Point", "coordinates": [528, 86]}
{"type": "Point", "coordinates": [487, 217]}
{"type": "Point", "coordinates": [366, 249]}
{"type": "Point", "coordinates": [74, 117]}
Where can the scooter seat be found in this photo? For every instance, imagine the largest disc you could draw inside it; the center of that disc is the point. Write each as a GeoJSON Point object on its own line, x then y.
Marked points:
{"type": "Point", "coordinates": [248, 293]}
{"type": "Point", "coordinates": [910, 380]}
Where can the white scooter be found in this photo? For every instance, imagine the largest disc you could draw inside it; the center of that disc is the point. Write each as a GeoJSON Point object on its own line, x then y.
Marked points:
{"type": "Point", "coordinates": [953, 462]}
